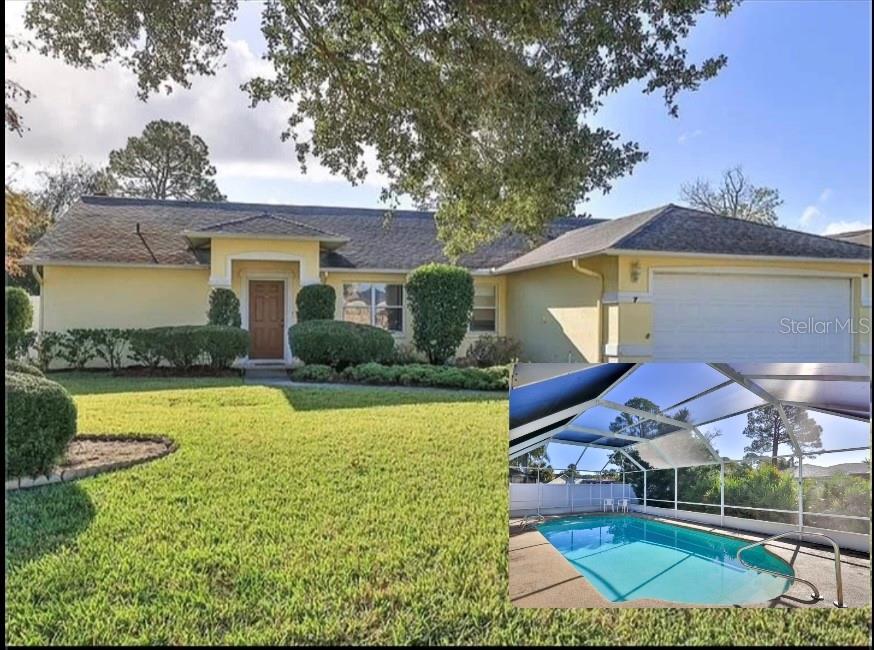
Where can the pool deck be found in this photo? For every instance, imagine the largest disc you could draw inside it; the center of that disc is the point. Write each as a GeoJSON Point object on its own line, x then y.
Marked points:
{"type": "Point", "coordinates": [541, 577]}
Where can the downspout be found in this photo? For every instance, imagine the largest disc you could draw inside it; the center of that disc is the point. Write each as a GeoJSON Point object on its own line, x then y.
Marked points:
{"type": "Point", "coordinates": [39, 281]}
{"type": "Point", "coordinates": [575, 264]}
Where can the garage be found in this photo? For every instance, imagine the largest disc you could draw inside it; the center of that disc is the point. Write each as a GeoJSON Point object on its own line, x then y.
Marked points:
{"type": "Point", "coordinates": [735, 316]}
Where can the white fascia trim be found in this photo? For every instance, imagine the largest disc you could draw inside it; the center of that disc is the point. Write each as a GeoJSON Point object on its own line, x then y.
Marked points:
{"type": "Point", "coordinates": [537, 265]}
{"type": "Point", "coordinates": [128, 265]}
{"type": "Point", "coordinates": [734, 256]}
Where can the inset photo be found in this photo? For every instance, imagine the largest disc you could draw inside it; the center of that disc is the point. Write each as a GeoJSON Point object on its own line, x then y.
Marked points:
{"type": "Point", "coordinates": [690, 485]}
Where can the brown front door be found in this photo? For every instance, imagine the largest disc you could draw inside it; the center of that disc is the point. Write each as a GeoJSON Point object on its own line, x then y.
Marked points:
{"type": "Point", "coordinates": [266, 319]}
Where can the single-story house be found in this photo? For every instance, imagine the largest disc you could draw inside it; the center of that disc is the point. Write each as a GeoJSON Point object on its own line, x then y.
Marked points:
{"type": "Point", "coordinates": [670, 283]}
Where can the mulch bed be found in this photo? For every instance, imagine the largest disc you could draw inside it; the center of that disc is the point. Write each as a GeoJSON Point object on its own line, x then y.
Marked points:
{"type": "Point", "coordinates": [88, 455]}
{"type": "Point", "coordinates": [104, 452]}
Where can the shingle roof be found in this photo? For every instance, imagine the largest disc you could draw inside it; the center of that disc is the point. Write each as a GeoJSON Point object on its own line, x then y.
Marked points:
{"type": "Point", "coordinates": [142, 231]}
{"type": "Point", "coordinates": [856, 236]}
{"type": "Point", "coordinates": [677, 229]}
{"type": "Point", "coordinates": [268, 224]}
{"type": "Point", "coordinates": [100, 229]}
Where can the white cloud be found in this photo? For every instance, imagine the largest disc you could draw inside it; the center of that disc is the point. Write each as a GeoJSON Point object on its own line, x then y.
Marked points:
{"type": "Point", "coordinates": [810, 213]}
{"type": "Point", "coordinates": [825, 195]}
{"type": "Point", "coordinates": [836, 227]}
{"type": "Point", "coordinates": [689, 135]}
{"type": "Point", "coordinates": [78, 113]}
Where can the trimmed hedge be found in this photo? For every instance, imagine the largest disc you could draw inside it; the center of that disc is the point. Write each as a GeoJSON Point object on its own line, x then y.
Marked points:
{"type": "Point", "coordinates": [19, 318]}
{"type": "Point", "coordinates": [488, 351]}
{"type": "Point", "coordinates": [339, 344]}
{"type": "Point", "coordinates": [19, 311]}
{"type": "Point", "coordinates": [182, 347]}
{"type": "Point", "coordinates": [224, 308]}
{"type": "Point", "coordinates": [315, 372]}
{"type": "Point", "coordinates": [14, 365]}
{"type": "Point", "coordinates": [186, 346]}
{"type": "Point", "coordinates": [496, 378]}
{"type": "Point", "coordinates": [40, 422]}
{"type": "Point", "coordinates": [441, 302]}
{"type": "Point", "coordinates": [222, 345]}
{"type": "Point", "coordinates": [315, 302]}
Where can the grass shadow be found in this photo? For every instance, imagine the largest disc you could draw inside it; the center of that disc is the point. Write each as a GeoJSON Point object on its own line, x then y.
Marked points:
{"type": "Point", "coordinates": [41, 520]}
{"type": "Point", "coordinates": [352, 397]}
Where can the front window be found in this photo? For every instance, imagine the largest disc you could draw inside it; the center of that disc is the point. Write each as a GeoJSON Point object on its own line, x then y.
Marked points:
{"type": "Point", "coordinates": [485, 308]}
{"type": "Point", "coordinates": [381, 305]}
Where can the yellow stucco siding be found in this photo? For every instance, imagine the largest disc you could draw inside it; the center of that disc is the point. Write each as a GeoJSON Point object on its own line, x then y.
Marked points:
{"type": "Point", "coordinates": [74, 297]}
{"type": "Point", "coordinates": [631, 325]}
{"type": "Point", "coordinates": [226, 249]}
{"type": "Point", "coordinates": [555, 311]}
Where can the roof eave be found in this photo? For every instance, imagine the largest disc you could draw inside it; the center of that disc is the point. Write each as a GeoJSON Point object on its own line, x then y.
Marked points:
{"type": "Point", "coordinates": [764, 258]}
{"type": "Point", "coordinates": [139, 265]}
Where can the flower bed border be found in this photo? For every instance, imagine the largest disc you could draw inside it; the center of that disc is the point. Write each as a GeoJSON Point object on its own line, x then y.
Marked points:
{"type": "Point", "coordinates": [64, 476]}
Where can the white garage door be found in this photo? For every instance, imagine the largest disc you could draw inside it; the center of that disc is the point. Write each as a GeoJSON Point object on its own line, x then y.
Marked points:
{"type": "Point", "coordinates": [732, 317]}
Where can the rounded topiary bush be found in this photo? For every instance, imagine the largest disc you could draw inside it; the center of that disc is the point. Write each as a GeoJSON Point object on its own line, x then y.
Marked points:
{"type": "Point", "coordinates": [40, 422]}
{"type": "Point", "coordinates": [224, 308]}
{"type": "Point", "coordinates": [19, 311]}
{"type": "Point", "coordinates": [441, 301]}
{"type": "Point", "coordinates": [339, 344]}
{"type": "Point", "coordinates": [315, 302]}
{"type": "Point", "coordinates": [14, 365]}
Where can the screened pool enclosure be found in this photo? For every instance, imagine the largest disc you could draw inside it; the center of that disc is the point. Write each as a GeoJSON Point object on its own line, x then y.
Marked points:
{"type": "Point", "coordinates": [766, 447]}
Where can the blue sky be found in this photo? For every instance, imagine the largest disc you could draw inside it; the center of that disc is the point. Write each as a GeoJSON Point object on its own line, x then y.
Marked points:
{"type": "Point", "coordinates": [666, 384]}
{"type": "Point", "coordinates": [793, 106]}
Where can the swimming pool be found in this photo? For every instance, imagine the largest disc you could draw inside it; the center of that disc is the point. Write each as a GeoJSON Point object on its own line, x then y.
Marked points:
{"type": "Point", "coordinates": [627, 558]}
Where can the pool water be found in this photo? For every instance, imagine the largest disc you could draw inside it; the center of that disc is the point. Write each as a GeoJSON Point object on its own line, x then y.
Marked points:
{"type": "Point", "coordinates": [627, 558]}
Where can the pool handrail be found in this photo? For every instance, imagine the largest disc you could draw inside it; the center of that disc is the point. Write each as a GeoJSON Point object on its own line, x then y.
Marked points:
{"type": "Point", "coordinates": [838, 581]}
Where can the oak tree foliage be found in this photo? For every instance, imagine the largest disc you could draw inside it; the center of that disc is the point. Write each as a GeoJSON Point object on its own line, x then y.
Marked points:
{"type": "Point", "coordinates": [481, 110]}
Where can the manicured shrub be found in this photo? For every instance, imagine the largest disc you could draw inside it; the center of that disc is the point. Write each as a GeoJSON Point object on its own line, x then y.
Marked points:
{"type": "Point", "coordinates": [77, 347]}
{"type": "Point", "coordinates": [40, 422]}
{"type": "Point", "coordinates": [339, 344]}
{"type": "Point", "coordinates": [48, 346]}
{"type": "Point", "coordinates": [110, 345]}
{"type": "Point", "coordinates": [145, 346]}
{"type": "Point", "coordinates": [406, 353]}
{"type": "Point", "coordinates": [441, 302]}
{"type": "Point", "coordinates": [223, 345]}
{"type": "Point", "coordinates": [487, 351]}
{"type": "Point", "coordinates": [496, 378]}
{"type": "Point", "coordinates": [14, 365]}
{"type": "Point", "coordinates": [314, 372]}
{"type": "Point", "coordinates": [18, 344]}
{"type": "Point", "coordinates": [19, 311]}
{"type": "Point", "coordinates": [182, 346]}
{"type": "Point", "coordinates": [224, 308]}
{"type": "Point", "coordinates": [315, 302]}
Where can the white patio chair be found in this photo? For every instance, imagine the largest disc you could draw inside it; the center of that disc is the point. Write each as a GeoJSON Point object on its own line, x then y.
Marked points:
{"type": "Point", "coordinates": [623, 505]}
{"type": "Point", "coordinates": [608, 502]}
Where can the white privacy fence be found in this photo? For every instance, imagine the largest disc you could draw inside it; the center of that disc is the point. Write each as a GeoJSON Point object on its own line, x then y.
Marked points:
{"type": "Point", "coordinates": [545, 498]}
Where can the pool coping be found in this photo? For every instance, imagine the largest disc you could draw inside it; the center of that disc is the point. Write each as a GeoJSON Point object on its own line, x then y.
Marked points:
{"type": "Point", "coordinates": [529, 546]}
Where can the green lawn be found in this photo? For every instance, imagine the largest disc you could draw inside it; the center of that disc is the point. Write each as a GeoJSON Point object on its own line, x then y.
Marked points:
{"type": "Point", "coordinates": [309, 516]}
